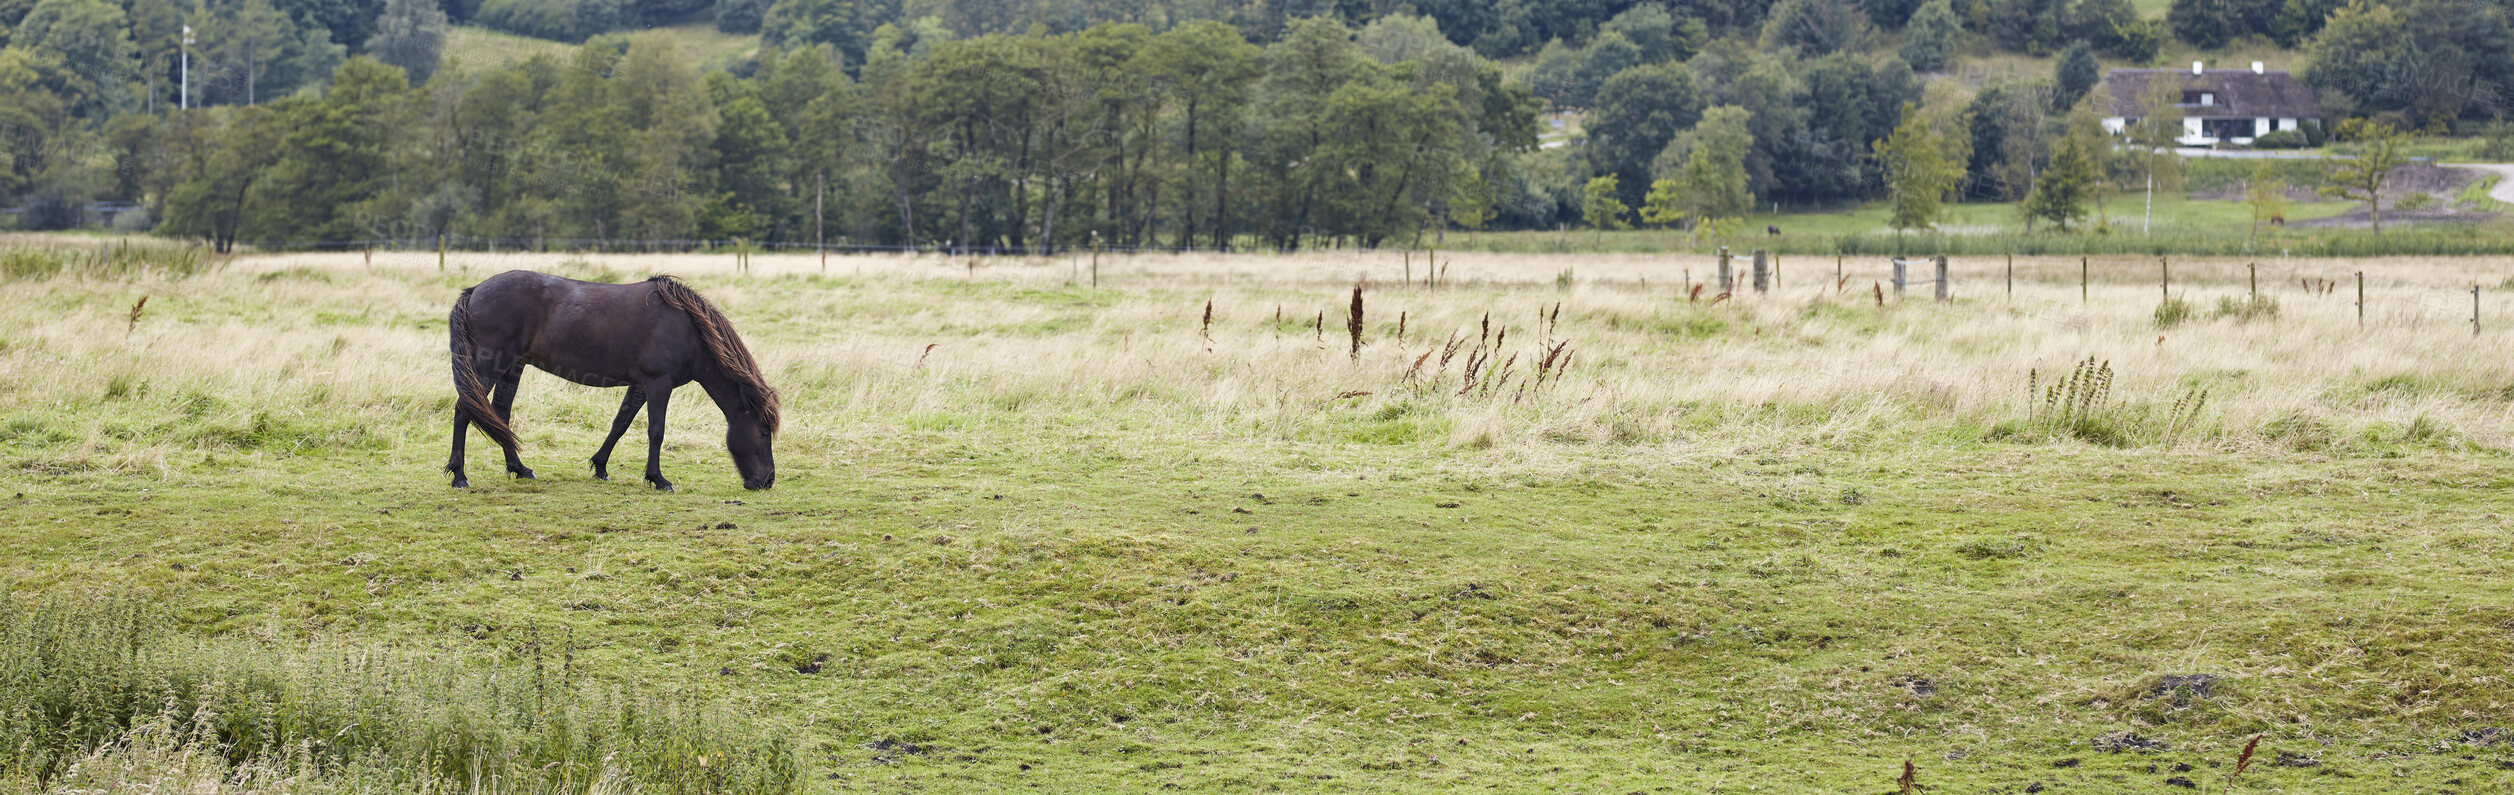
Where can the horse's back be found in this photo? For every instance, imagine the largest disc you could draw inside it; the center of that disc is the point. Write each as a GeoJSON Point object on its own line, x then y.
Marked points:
{"type": "Point", "coordinates": [592, 333]}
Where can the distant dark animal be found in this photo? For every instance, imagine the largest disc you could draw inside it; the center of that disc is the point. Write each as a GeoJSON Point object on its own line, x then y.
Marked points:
{"type": "Point", "coordinates": [1772, 231]}
{"type": "Point", "coordinates": [649, 336]}
{"type": "Point", "coordinates": [2278, 219]}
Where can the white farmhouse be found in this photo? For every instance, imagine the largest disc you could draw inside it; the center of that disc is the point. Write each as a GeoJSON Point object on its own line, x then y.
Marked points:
{"type": "Point", "coordinates": [2218, 106]}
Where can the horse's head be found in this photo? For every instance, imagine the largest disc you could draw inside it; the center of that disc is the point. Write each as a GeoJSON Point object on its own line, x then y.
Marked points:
{"type": "Point", "coordinates": [752, 443]}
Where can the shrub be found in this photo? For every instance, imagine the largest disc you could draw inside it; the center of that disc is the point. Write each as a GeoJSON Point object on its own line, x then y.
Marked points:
{"type": "Point", "coordinates": [2282, 139]}
{"type": "Point", "coordinates": [2498, 147]}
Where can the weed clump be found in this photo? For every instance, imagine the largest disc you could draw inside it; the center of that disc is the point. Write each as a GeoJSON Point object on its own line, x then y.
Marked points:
{"type": "Point", "coordinates": [2173, 312]}
{"type": "Point", "coordinates": [102, 694]}
{"type": "Point", "coordinates": [2246, 309]}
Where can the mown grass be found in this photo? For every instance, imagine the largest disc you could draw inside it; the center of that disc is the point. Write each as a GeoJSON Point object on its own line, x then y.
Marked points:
{"type": "Point", "coordinates": [1774, 542]}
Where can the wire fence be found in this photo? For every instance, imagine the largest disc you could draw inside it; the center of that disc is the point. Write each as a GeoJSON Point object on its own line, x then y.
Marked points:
{"type": "Point", "coordinates": [1963, 278]}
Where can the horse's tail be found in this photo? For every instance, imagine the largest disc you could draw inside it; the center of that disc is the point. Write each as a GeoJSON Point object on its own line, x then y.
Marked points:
{"type": "Point", "coordinates": [469, 393]}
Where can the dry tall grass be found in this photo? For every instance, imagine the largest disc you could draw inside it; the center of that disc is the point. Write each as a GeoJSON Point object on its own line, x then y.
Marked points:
{"type": "Point", "coordinates": [303, 352]}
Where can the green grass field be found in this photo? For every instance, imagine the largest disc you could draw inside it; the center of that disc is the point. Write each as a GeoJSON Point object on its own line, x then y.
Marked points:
{"type": "Point", "coordinates": [1084, 542]}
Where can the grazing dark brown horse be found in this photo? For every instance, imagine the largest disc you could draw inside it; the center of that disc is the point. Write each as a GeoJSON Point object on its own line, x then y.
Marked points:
{"type": "Point", "coordinates": [650, 336]}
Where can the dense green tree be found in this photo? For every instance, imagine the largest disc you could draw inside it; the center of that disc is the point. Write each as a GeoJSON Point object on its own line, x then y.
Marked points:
{"type": "Point", "coordinates": [740, 16]}
{"type": "Point", "coordinates": [2299, 20]}
{"type": "Point", "coordinates": [1714, 174]}
{"type": "Point", "coordinates": [2105, 25]}
{"type": "Point", "coordinates": [1653, 31]}
{"type": "Point", "coordinates": [80, 49]}
{"type": "Point", "coordinates": [2432, 60]}
{"type": "Point", "coordinates": [410, 35]}
{"type": "Point", "coordinates": [1930, 37]}
{"type": "Point", "coordinates": [1638, 112]}
{"type": "Point", "coordinates": [1206, 70]}
{"type": "Point", "coordinates": [1600, 208]}
{"type": "Point", "coordinates": [1818, 27]}
{"type": "Point", "coordinates": [2063, 190]}
{"type": "Point", "coordinates": [1986, 125]}
{"type": "Point", "coordinates": [348, 23]}
{"type": "Point", "coordinates": [848, 25]}
{"type": "Point", "coordinates": [1390, 152]}
{"type": "Point", "coordinates": [156, 36]}
{"type": "Point", "coordinates": [2210, 24]}
{"type": "Point", "coordinates": [250, 51]}
{"type": "Point", "coordinates": [223, 153]}
{"type": "Point", "coordinates": [1665, 204]}
{"type": "Point", "coordinates": [2074, 74]}
{"type": "Point", "coordinates": [1890, 14]}
{"type": "Point", "coordinates": [332, 161]}
{"type": "Point", "coordinates": [1555, 76]}
{"type": "Point", "coordinates": [1604, 58]}
{"type": "Point", "coordinates": [1918, 174]}
{"type": "Point", "coordinates": [752, 163]}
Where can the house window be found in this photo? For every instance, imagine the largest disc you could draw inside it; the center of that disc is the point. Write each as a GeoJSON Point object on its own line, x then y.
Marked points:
{"type": "Point", "coordinates": [2199, 98]}
{"type": "Point", "coordinates": [2223, 129]}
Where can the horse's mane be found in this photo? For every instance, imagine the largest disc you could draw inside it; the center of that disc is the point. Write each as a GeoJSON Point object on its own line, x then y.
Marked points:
{"type": "Point", "coordinates": [726, 345]}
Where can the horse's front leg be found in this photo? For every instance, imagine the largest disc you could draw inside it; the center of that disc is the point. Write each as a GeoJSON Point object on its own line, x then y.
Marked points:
{"type": "Point", "coordinates": [658, 398]}
{"type": "Point", "coordinates": [619, 427]}
{"type": "Point", "coordinates": [504, 402]}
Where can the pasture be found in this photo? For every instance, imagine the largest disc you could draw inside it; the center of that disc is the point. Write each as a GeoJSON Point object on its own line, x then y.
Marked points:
{"type": "Point", "coordinates": [1029, 533]}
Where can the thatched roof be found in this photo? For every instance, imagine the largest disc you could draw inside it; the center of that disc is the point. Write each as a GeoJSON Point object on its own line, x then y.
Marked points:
{"type": "Point", "coordinates": [2241, 93]}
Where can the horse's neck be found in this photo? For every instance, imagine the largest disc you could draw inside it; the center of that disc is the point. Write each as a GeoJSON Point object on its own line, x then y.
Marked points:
{"type": "Point", "coordinates": [727, 392]}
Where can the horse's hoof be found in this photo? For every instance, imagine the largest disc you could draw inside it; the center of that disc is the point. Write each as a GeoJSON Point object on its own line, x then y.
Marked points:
{"type": "Point", "coordinates": [462, 483]}
{"type": "Point", "coordinates": [660, 484]}
{"type": "Point", "coordinates": [601, 475]}
{"type": "Point", "coordinates": [521, 474]}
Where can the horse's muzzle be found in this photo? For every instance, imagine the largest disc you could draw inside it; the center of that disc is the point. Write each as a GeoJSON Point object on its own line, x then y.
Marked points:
{"type": "Point", "coordinates": [760, 484]}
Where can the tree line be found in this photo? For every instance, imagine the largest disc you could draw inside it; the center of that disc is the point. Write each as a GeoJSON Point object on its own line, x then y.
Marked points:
{"type": "Point", "coordinates": [1193, 136]}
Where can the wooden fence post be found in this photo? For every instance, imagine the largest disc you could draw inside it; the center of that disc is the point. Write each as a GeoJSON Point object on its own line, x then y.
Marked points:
{"type": "Point", "coordinates": [1898, 278]}
{"type": "Point", "coordinates": [2361, 299]}
{"type": "Point", "coordinates": [2082, 280]}
{"type": "Point", "coordinates": [2167, 285]}
{"type": "Point", "coordinates": [2012, 276]}
{"type": "Point", "coordinates": [820, 191]}
{"type": "Point", "coordinates": [1763, 272]}
{"type": "Point", "coordinates": [2474, 309]}
{"type": "Point", "coordinates": [1727, 281]}
{"type": "Point", "coordinates": [1942, 277]}
{"type": "Point", "coordinates": [2252, 276]}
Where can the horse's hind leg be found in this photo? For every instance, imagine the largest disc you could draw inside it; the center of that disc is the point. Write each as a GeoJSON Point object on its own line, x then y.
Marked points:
{"type": "Point", "coordinates": [656, 401]}
{"type": "Point", "coordinates": [454, 462]}
{"type": "Point", "coordinates": [504, 402]}
{"type": "Point", "coordinates": [619, 427]}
